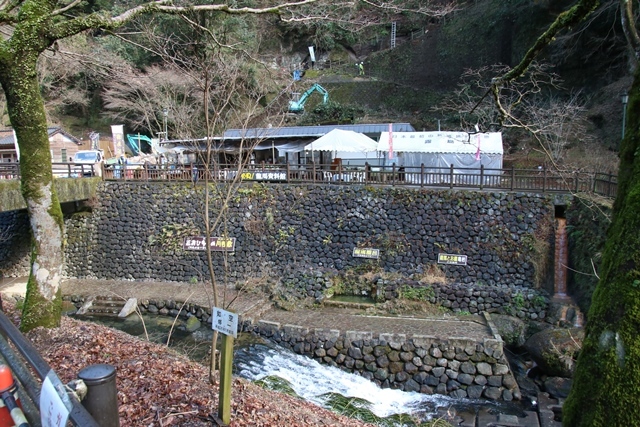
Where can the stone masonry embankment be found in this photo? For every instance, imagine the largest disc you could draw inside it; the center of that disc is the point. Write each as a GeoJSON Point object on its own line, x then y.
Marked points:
{"type": "Point", "coordinates": [136, 231]}
{"type": "Point", "coordinates": [455, 366]}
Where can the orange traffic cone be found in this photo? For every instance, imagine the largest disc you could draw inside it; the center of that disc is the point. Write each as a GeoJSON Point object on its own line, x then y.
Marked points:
{"type": "Point", "coordinates": [10, 409]}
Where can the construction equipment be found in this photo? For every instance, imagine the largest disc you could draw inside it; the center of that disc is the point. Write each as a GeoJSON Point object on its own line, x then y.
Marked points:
{"type": "Point", "coordinates": [297, 106]}
{"type": "Point", "coordinates": [139, 144]}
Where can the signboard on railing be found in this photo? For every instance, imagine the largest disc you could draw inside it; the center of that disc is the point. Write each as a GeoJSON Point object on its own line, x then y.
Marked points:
{"type": "Point", "coordinates": [452, 259]}
{"type": "Point", "coordinates": [220, 244]}
{"type": "Point", "coordinates": [366, 253]}
{"type": "Point", "coordinates": [264, 176]}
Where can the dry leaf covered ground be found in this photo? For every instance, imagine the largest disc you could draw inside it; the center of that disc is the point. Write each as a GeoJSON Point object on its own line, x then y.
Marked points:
{"type": "Point", "coordinates": [159, 387]}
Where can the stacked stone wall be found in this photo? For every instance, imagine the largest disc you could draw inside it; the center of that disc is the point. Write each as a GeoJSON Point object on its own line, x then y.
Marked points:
{"type": "Point", "coordinates": [15, 239]}
{"type": "Point", "coordinates": [458, 367]}
{"type": "Point", "coordinates": [136, 232]}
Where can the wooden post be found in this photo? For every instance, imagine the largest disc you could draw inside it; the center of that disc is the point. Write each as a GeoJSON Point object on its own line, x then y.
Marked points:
{"type": "Point", "coordinates": [513, 177]}
{"type": "Point", "coordinates": [451, 177]}
{"type": "Point", "coordinates": [224, 396]}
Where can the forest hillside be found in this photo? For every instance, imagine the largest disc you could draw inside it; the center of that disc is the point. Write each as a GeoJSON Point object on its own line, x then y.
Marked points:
{"type": "Point", "coordinates": [432, 78]}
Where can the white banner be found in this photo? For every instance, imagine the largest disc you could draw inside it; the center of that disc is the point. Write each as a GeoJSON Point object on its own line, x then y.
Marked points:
{"type": "Point", "coordinates": [118, 140]}
{"type": "Point", "coordinates": [15, 144]}
{"type": "Point", "coordinates": [312, 53]}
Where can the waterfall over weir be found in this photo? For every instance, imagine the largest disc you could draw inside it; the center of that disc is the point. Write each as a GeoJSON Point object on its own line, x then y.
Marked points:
{"type": "Point", "coordinates": [311, 380]}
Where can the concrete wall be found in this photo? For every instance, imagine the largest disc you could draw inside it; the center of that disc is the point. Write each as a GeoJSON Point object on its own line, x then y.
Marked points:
{"type": "Point", "coordinates": [68, 190]}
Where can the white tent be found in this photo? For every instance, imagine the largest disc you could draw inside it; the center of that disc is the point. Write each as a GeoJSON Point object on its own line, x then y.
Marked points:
{"type": "Point", "coordinates": [343, 140]}
{"type": "Point", "coordinates": [437, 150]}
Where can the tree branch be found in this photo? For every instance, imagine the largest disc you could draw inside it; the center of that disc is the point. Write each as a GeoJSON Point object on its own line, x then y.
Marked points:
{"type": "Point", "coordinates": [101, 20]}
{"type": "Point", "coordinates": [566, 19]}
{"type": "Point", "coordinates": [70, 6]}
{"type": "Point", "coordinates": [630, 30]}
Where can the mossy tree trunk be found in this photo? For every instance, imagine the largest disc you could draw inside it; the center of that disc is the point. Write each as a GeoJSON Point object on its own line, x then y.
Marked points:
{"type": "Point", "coordinates": [606, 386]}
{"type": "Point", "coordinates": [18, 77]}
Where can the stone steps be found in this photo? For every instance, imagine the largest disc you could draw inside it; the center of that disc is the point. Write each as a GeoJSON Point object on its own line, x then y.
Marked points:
{"type": "Point", "coordinates": [102, 306]}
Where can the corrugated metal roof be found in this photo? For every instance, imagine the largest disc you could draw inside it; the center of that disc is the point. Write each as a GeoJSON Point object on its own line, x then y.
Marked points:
{"type": "Point", "coordinates": [372, 130]}
{"type": "Point", "coordinates": [6, 137]}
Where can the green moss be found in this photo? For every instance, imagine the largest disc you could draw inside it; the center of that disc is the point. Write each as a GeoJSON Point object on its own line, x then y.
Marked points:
{"type": "Point", "coordinates": [38, 311]}
{"type": "Point", "coordinates": [606, 387]}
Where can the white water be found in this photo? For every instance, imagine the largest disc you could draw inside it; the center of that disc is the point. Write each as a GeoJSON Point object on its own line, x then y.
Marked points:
{"type": "Point", "coordinates": [310, 380]}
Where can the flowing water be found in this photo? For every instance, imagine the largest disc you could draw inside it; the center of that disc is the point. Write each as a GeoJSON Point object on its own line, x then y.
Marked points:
{"type": "Point", "coordinates": [255, 359]}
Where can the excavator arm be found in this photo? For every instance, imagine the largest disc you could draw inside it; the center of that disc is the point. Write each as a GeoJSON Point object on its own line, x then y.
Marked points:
{"type": "Point", "coordinates": [298, 106]}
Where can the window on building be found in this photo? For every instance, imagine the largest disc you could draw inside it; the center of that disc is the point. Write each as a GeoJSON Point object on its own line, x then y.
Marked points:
{"type": "Point", "coordinates": [63, 151]}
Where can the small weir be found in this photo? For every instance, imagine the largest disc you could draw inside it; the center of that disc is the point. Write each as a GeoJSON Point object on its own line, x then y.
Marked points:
{"type": "Point", "coordinates": [256, 359]}
{"type": "Point", "coordinates": [350, 301]}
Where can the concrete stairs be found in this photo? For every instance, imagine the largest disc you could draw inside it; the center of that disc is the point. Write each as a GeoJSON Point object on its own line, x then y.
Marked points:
{"type": "Point", "coordinates": [102, 306]}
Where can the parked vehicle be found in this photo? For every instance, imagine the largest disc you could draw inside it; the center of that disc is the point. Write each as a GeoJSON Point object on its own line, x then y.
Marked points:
{"type": "Point", "coordinates": [90, 158]}
{"type": "Point", "coordinates": [84, 163]}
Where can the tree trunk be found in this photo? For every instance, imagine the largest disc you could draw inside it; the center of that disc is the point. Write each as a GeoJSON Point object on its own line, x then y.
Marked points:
{"type": "Point", "coordinates": [42, 306]}
{"type": "Point", "coordinates": [606, 385]}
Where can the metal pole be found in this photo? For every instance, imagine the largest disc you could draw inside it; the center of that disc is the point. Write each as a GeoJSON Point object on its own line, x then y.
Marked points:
{"type": "Point", "coordinates": [102, 397]}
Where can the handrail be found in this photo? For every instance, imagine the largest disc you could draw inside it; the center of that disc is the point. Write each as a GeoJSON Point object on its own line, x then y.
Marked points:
{"type": "Point", "coordinates": [60, 170]}
{"type": "Point", "coordinates": [505, 179]}
{"type": "Point", "coordinates": [78, 415]}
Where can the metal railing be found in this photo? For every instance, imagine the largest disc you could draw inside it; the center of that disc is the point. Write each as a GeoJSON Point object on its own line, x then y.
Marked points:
{"type": "Point", "coordinates": [60, 170]}
{"type": "Point", "coordinates": [509, 179]}
{"type": "Point", "coordinates": [78, 415]}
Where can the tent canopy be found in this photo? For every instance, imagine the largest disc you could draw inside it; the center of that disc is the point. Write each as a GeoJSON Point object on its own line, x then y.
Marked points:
{"type": "Point", "coordinates": [442, 142]}
{"type": "Point", "coordinates": [437, 150]}
{"type": "Point", "coordinates": [343, 140]}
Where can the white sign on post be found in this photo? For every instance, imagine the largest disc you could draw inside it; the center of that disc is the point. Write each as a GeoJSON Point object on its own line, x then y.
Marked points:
{"type": "Point", "coordinates": [225, 322]}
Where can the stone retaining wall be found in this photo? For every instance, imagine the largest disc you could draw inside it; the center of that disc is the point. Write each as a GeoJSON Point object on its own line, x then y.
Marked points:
{"type": "Point", "coordinates": [136, 232]}
{"type": "Point", "coordinates": [302, 238]}
{"type": "Point", "coordinates": [14, 244]}
{"type": "Point", "coordinates": [458, 367]}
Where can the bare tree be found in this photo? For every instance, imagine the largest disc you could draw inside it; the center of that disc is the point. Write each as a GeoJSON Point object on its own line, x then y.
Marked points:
{"type": "Point", "coordinates": [558, 123]}
{"type": "Point", "coordinates": [221, 75]}
{"type": "Point", "coordinates": [29, 29]}
{"type": "Point", "coordinates": [535, 106]}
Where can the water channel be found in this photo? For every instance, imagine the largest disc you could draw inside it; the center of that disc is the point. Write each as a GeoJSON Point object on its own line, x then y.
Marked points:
{"type": "Point", "coordinates": [255, 359]}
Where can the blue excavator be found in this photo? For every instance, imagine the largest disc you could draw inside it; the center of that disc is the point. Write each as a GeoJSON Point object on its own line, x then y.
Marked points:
{"type": "Point", "coordinates": [298, 106]}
